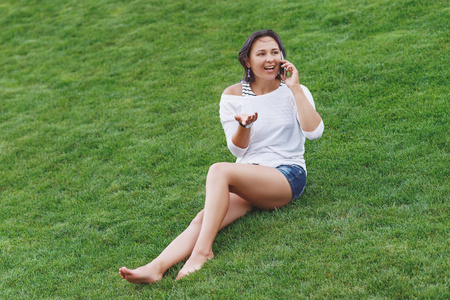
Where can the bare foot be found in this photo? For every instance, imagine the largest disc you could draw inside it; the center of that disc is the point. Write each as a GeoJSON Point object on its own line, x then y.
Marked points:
{"type": "Point", "coordinates": [194, 263]}
{"type": "Point", "coordinates": [144, 274]}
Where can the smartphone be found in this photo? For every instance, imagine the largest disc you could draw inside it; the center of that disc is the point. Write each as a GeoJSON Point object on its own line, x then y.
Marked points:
{"type": "Point", "coordinates": [282, 70]}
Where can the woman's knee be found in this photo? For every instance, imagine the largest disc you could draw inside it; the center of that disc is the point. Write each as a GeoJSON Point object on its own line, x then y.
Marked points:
{"type": "Point", "coordinates": [217, 170]}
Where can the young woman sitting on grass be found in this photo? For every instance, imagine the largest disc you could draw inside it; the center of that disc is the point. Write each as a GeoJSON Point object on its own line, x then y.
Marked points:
{"type": "Point", "coordinates": [266, 118]}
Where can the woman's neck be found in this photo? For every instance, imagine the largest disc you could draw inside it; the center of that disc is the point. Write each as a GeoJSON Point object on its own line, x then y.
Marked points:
{"type": "Point", "coordinates": [260, 87]}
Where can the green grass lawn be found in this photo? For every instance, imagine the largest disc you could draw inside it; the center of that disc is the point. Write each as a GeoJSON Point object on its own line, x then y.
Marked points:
{"type": "Point", "coordinates": [109, 122]}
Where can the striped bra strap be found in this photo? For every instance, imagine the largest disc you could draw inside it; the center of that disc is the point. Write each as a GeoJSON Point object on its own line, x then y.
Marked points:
{"type": "Point", "coordinates": [246, 89]}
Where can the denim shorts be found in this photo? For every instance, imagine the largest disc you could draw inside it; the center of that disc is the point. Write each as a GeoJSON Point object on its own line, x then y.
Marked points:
{"type": "Point", "coordinates": [296, 176]}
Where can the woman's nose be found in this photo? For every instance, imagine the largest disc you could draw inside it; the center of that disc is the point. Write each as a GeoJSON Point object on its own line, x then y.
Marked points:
{"type": "Point", "coordinates": [270, 58]}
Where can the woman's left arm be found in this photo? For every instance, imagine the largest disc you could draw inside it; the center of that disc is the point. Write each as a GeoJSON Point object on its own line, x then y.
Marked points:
{"type": "Point", "coordinates": [309, 118]}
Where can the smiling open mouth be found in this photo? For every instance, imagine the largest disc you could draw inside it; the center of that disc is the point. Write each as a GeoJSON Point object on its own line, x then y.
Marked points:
{"type": "Point", "coordinates": [269, 68]}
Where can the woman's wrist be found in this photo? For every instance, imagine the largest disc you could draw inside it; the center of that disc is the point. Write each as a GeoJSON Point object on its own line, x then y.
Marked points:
{"type": "Point", "coordinates": [246, 126]}
{"type": "Point", "coordinates": [296, 88]}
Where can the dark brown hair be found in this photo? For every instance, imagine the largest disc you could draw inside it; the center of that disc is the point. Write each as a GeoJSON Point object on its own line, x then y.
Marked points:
{"type": "Point", "coordinates": [244, 54]}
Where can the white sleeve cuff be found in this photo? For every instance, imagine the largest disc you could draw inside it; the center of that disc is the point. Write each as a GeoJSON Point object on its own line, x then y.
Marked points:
{"type": "Point", "coordinates": [316, 134]}
{"type": "Point", "coordinates": [235, 150]}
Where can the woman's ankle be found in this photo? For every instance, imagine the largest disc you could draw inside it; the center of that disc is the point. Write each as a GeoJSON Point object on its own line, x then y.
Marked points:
{"type": "Point", "coordinates": [208, 253]}
{"type": "Point", "coordinates": [156, 266]}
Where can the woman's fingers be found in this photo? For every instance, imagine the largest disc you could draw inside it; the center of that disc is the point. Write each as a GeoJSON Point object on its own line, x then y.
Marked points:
{"type": "Point", "coordinates": [289, 67]}
{"type": "Point", "coordinates": [246, 119]}
{"type": "Point", "coordinates": [252, 118]}
{"type": "Point", "coordinates": [294, 77]}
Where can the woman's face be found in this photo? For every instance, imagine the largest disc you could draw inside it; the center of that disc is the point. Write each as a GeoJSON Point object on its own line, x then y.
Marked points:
{"type": "Point", "coordinates": [265, 58]}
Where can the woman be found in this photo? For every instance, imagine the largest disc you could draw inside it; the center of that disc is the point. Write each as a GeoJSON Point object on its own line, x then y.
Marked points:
{"type": "Point", "coordinates": [266, 118]}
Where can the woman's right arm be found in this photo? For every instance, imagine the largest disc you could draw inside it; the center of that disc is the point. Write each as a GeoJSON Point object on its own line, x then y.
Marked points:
{"type": "Point", "coordinates": [241, 138]}
{"type": "Point", "coordinates": [238, 137]}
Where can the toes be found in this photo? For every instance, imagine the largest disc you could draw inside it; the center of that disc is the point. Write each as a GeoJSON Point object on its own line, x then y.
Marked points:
{"type": "Point", "coordinates": [186, 272]}
{"type": "Point", "coordinates": [181, 275]}
{"type": "Point", "coordinates": [125, 271]}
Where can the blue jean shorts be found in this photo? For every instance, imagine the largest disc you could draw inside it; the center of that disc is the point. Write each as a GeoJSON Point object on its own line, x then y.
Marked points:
{"type": "Point", "coordinates": [296, 176]}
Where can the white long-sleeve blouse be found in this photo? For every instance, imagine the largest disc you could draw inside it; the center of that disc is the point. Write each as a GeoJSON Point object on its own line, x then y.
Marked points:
{"type": "Point", "coordinates": [276, 137]}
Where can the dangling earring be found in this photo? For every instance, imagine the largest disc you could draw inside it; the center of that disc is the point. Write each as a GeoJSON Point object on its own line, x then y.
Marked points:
{"type": "Point", "coordinates": [248, 73]}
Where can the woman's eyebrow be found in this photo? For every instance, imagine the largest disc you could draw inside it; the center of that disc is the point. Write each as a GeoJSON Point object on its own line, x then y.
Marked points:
{"type": "Point", "coordinates": [264, 50]}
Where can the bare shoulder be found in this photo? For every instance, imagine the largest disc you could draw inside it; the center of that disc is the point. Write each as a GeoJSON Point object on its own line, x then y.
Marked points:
{"type": "Point", "coordinates": [234, 90]}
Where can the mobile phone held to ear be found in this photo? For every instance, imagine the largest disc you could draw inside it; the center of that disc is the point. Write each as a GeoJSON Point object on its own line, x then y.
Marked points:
{"type": "Point", "coordinates": [282, 70]}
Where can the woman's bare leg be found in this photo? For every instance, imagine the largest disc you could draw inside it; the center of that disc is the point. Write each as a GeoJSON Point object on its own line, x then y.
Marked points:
{"type": "Point", "coordinates": [182, 246]}
{"type": "Point", "coordinates": [262, 187]}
